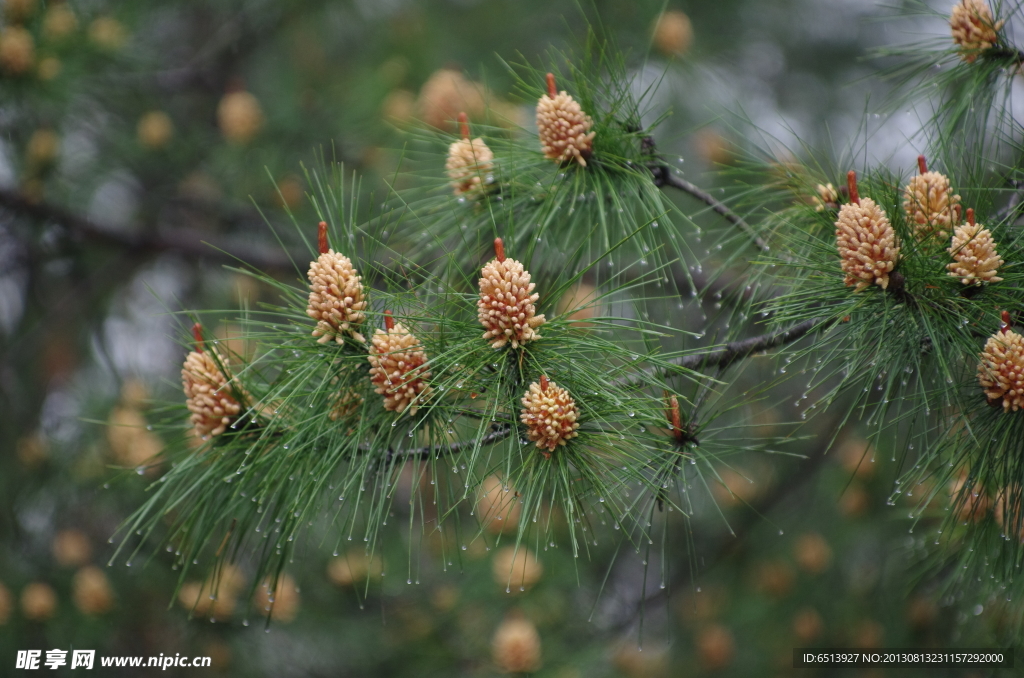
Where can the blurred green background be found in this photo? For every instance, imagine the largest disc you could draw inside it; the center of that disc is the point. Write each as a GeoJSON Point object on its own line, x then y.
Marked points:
{"type": "Point", "coordinates": [133, 133]}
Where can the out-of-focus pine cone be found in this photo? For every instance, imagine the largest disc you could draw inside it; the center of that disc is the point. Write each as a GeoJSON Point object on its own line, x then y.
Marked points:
{"type": "Point", "coordinates": [506, 307]}
{"type": "Point", "coordinates": [239, 117]}
{"type": "Point", "coordinates": [397, 370]}
{"type": "Point", "coordinates": [672, 33]}
{"type": "Point", "coordinates": [563, 127]}
{"type": "Point", "coordinates": [209, 394]}
{"type": "Point", "coordinates": [516, 645]}
{"type": "Point", "coordinates": [345, 405]}
{"type": "Point", "coordinates": [17, 50]}
{"type": "Point", "coordinates": [975, 260]}
{"type": "Point", "coordinates": [469, 164]}
{"type": "Point", "coordinates": [826, 198]}
{"type": "Point", "coordinates": [446, 93]}
{"type": "Point", "coordinates": [867, 244]}
{"type": "Point", "coordinates": [550, 414]}
{"type": "Point", "coordinates": [336, 300]}
{"type": "Point", "coordinates": [930, 205]}
{"type": "Point", "coordinates": [974, 28]}
{"type": "Point", "coordinates": [91, 591]}
{"type": "Point", "coordinates": [1001, 371]}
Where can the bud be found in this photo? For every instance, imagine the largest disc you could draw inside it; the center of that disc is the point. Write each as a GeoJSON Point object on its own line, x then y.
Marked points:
{"type": "Point", "coordinates": [208, 391]}
{"type": "Point", "coordinates": [826, 198]}
{"type": "Point", "coordinates": [71, 548]}
{"type": "Point", "coordinates": [807, 625]}
{"type": "Point", "coordinates": [673, 33]}
{"type": "Point", "coordinates": [866, 241]}
{"type": "Point", "coordinates": [974, 253]}
{"type": "Point", "coordinates": [516, 645]}
{"type": "Point", "coordinates": [550, 414]}
{"type": "Point", "coordinates": [972, 501]}
{"type": "Point", "coordinates": [354, 566]}
{"type": "Point", "coordinates": [239, 117]}
{"type": "Point", "coordinates": [469, 162]}
{"type": "Point", "coordinates": [563, 127]}
{"type": "Point", "coordinates": [1008, 512]}
{"type": "Point", "coordinates": [506, 305]}
{"type": "Point", "coordinates": [1001, 371]}
{"type": "Point", "coordinates": [716, 647]}
{"type": "Point", "coordinates": [498, 507]}
{"type": "Point", "coordinates": [154, 130]}
{"type": "Point", "coordinates": [91, 591]}
{"type": "Point", "coordinates": [336, 295]}
{"type": "Point", "coordinates": [397, 371]}
{"type": "Point", "coordinates": [447, 92]}
{"type": "Point", "coordinates": [930, 205]}
{"type": "Point", "coordinates": [283, 604]}
{"type": "Point", "coordinates": [59, 21]}
{"type": "Point", "coordinates": [812, 553]}
{"type": "Point", "coordinates": [973, 27]}
{"type": "Point", "coordinates": [38, 601]}
{"type": "Point", "coordinates": [17, 50]}
{"type": "Point", "coordinates": [107, 33]}
{"type": "Point", "coordinates": [516, 568]}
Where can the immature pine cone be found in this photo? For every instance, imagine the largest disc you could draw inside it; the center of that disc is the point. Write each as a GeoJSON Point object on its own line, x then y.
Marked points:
{"type": "Point", "coordinates": [549, 413]}
{"type": "Point", "coordinates": [930, 204]}
{"type": "Point", "coordinates": [469, 162]}
{"type": "Point", "coordinates": [866, 241]}
{"type": "Point", "coordinates": [563, 127]}
{"type": "Point", "coordinates": [974, 28]}
{"type": "Point", "coordinates": [974, 252]}
{"type": "Point", "coordinates": [208, 393]}
{"type": "Point", "coordinates": [397, 372]}
{"type": "Point", "coordinates": [506, 306]}
{"type": "Point", "coordinates": [827, 198]}
{"type": "Point", "coordinates": [336, 299]}
{"type": "Point", "coordinates": [516, 646]}
{"type": "Point", "coordinates": [1001, 371]}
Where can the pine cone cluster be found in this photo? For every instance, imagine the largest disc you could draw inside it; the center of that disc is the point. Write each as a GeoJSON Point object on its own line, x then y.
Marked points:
{"type": "Point", "coordinates": [974, 28]}
{"type": "Point", "coordinates": [1001, 371]}
{"type": "Point", "coordinates": [506, 306]}
{"type": "Point", "coordinates": [336, 300]}
{"type": "Point", "coordinates": [975, 260]}
{"type": "Point", "coordinates": [550, 414]}
{"type": "Point", "coordinates": [563, 127]}
{"type": "Point", "coordinates": [867, 244]}
{"type": "Point", "coordinates": [930, 205]}
{"type": "Point", "coordinates": [208, 392]}
{"type": "Point", "coordinates": [397, 371]}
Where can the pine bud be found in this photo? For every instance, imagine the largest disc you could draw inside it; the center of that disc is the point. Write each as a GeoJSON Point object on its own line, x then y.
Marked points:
{"type": "Point", "coordinates": [17, 50]}
{"type": "Point", "coordinates": [498, 507]}
{"type": "Point", "coordinates": [516, 568]}
{"type": "Point", "coordinates": [38, 601]}
{"type": "Point", "coordinates": [208, 391]}
{"type": "Point", "coordinates": [345, 405]}
{"type": "Point", "coordinates": [974, 29]}
{"type": "Point", "coordinates": [91, 591]}
{"type": "Point", "coordinates": [59, 21]}
{"type": "Point", "coordinates": [506, 305]}
{"type": "Point", "coordinates": [397, 371]}
{"type": "Point", "coordinates": [281, 605]}
{"type": "Point", "coordinates": [336, 299]}
{"type": "Point", "coordinates": [827, 198]}
{"type": "Point", "coordinates": [447, 92]}
{"type": "Point", "coordinates": [930, 204]}
{"type": "Point", "coordinates": [239, 117]}
{"type": "Point", "coordinates": [107, 33]}
{"type": "Point", "coordinates": [673, 33]}
{"type": "Point", "coordinates": [972, 501]}
{"type": "Point", "coordinates": [1001, 371]}
{"type": "Point", "coordinates": [867, 243]}
{"type": "Point", "coordinates": [154, 129]}
{"type": "Point", "coordinates": [974, 252]}
{"type": "Point", "coordinates": [469, 162]}
{"type": "Point", "coordinates": [550, 414]}
{"type": "Point", "coordinates": [563, 127]}
{"type": "Point", "coordinates": [516, 645]}
{"type": "Point", "coordinates": [71, 548]}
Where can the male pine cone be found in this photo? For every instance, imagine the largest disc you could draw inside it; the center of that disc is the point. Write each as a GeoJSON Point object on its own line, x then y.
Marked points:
{"type": "Point", "coordinates": [208, 392]}
{"type": "Point", "coordinates": [1001, 371]}
{"type": "Point", "coordinates": [973, 27]}
{"type": "Point", "coordinates": [866, 241]}
{"type": "Point", "coordinates": [975, 260]}
{"type": "Point", "coordinates": [506, 307]}
{"type": "Point", "coordinates": [563, 127]}
{"type": "Point", "coordinates": [930, 205]}
{"type": "Point", "coordinates": [397, 372]}
{"type": "Point", "coordinates": [469, 162]}
{"type": "Point", "coordinates": [550, 414]}
{"type": "Point", "coordinates": [336, 299]}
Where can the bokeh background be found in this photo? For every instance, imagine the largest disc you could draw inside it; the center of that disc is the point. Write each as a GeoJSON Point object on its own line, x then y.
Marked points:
{"type": "Point", "coordinates": [145, 145]}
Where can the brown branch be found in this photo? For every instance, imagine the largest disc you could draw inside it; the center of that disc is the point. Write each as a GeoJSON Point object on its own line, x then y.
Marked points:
{"type": "Point", "coordinates": [187, 242]}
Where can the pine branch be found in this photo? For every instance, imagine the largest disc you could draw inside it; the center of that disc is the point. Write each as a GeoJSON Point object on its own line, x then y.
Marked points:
{"type": "Point", "coordinates": [182, 241]}
{"type": "Point", "coordinates": [497, 435]}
